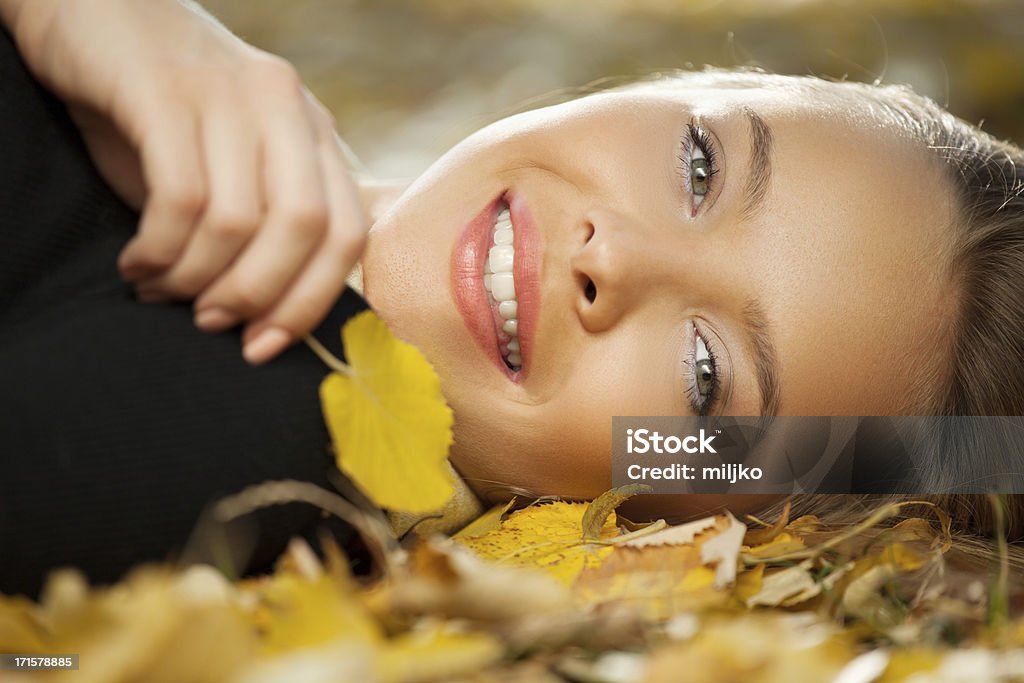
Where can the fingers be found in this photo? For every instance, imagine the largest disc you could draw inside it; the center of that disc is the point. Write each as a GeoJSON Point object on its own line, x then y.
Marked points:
{"type": "Point", "coordinates": [317, 288]}
{"type": "Point", "coordinates": [233, 214]}
{"type": "Point", "coordinates": [251, 208]}
{"type": "Point", "coordinates": [294, 269]}
{"type": "Point", "coordinates": [295, 221]}
{"type": "Point", "coordinates": [174, 172]}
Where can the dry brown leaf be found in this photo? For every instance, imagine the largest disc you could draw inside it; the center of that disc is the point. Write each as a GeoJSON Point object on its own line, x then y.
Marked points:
{"type": "Point", "coordinates": [154, 625]}
{"type": "Point", "coordinates": [782, 584]}
{"type": "Point", "coordinates": [449, 580]}
{"type": "Point", "coordinates": [678, 534]}
{"type": "Point", "coordinates": [757, 537]}
{"type": "Point", "coordinates": [659, 580]}
{"type": "Point", "coordinates": [604, 505]}
{"type": "Point", "coordinates": [762, 647]}
{"type": "Point", "coordinates": [723, 549]}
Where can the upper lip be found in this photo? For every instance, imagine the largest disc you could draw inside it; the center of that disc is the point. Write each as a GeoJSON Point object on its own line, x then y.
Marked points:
{"type": "Point", "coordinates": [467, 266]}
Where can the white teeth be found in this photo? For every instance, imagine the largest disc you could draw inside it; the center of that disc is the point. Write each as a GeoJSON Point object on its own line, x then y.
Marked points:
{"type": "Point", "coordinates": [500, 258]}
{"type": "Point", "coordinates": [503, 288]}
{"type": "Point", "coordinates": [500, 282]}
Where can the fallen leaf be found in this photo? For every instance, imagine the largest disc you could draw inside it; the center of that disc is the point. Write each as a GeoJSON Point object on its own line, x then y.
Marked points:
{"type": "Point", "coordinates": [674, 535]}
{"type": "Point", "coordinates": [548, 536]}
{"type": "Point", "coordinates": [764, 647]}
{"type": "Point", "coordinates": [435, 654]}
{"type": "Point", "coordinates": [487, 522]}
{"type": "Point", "coordinates": [779, 585]}
{"type": "Point", "coordinates": [659, 581]}
{"type": "Point", "coordinates": [294, 612]}
{"type": "Point", "coordinates": [388, 420]}
{"type": "Point", "coordinates": [723, 548]}
{"type": "Point", "coordinates": [448, 579]}
{"type": "Point", "coordinates": [781, 544]}
{"type": "Point", "coordinates": [756, 537]}
{"type": "Point", "coordinates": [602, 506]}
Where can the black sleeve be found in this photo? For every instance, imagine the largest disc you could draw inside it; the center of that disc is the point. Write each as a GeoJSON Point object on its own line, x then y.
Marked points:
{"type": "Point", "coordinates": [120, 421]}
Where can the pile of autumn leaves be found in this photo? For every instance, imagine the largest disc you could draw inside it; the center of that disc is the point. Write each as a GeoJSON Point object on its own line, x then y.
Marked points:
{"type": "Point", "coordinates": [551, 591]}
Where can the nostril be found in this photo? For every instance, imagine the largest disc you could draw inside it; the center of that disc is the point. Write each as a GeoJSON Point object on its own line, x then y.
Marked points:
{"type": "Point", "coordinates": [590, 291]}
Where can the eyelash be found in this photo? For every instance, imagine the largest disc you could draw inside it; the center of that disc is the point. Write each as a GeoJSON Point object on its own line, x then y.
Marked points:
{"type": "Point", "coordinates": [697, 138]}
{"type": "Point", "coordinates": [705, 408]}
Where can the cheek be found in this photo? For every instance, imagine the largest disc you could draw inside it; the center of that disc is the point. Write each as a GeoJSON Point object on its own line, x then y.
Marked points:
{"type": "Point", "coordinates": [563, 446]}
{"type": "Point", "coordinates": [557, 450]}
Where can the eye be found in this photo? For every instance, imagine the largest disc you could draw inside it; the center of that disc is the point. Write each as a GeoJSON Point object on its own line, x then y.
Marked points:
{"type": "Point", "coordinates": [697, 163]}
{"type": "Point", "coordinates": [704, 382]}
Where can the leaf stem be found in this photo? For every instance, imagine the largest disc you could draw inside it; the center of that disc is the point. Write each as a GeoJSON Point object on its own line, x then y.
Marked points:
{"type": "Point", "coordinates": [326, 356]}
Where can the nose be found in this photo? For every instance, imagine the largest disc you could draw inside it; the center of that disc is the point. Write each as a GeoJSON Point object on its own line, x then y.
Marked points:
{"type": "Point", "coordinates": [612, 265]}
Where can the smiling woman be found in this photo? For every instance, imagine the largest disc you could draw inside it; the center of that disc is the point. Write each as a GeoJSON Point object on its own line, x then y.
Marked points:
{"type": "Point", "coordinates": [688, 263]}
{"type": "Point", "coordinates": [708, 243]}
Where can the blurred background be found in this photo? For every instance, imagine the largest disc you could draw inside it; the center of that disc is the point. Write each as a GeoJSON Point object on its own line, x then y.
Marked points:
{"type": "Point", "coordinates": [407, 79]}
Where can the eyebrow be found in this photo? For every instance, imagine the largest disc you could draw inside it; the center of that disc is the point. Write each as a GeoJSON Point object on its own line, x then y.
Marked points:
{"type": "Point", "coordinates": [766, 363]}
{"type": "Point", "coordinates": [759, 170]}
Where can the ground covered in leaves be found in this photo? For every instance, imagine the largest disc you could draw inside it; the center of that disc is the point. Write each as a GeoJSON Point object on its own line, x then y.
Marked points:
{"type": "Point", "coordinates": [556, 591]}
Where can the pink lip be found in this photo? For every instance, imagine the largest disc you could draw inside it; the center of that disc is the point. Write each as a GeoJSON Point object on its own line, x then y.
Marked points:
{"type": "Point", "coordinates": [467, 266]}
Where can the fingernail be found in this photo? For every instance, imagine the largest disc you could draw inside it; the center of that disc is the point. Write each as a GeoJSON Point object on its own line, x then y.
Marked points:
{"type": "Point", "coordinates": [214, 319]}
{"type": "Point", "coordinates": [266, 345]}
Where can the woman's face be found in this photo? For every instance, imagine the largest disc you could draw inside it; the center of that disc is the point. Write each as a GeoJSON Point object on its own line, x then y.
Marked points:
{"type": "Point", "coordinates": [676, 250]}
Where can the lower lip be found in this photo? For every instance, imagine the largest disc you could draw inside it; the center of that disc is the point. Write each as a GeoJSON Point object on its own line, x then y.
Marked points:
{"type": "Point", "coordinates": [467, 265]}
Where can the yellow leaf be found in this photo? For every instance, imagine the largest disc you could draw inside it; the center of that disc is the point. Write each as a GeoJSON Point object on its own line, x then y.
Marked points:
{"type": "Point", "coordinates": [780, 545]}
{"type": "Point", "coordinates": [295, 612]}
{"type": "Point", "coordinates": [903, 557]}
{"type": "Point", "coordinates": [548, 536]}
{"type": "Point", "coordinates": [436, 655]}
{"type": "Point", "coordinates": [388, 420]}
{"type": "Point", "coordinates": [489, 521]}
{"type": "Point", "coordinates": [905, 662]}
{"type": "Point", "coordinates": [19, 631]}
{"type": "Point", "coordinates": [749, 583]}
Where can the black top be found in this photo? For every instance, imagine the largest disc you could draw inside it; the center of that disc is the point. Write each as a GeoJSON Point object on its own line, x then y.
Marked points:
{"type": "Point", "coordinates": [120, 421]}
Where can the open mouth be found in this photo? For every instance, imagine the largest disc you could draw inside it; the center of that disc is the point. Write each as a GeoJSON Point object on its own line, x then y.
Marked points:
{"type": "Point", "coordinates": [499, 282]}
{"type": "Point", "coordinates": [495, 282]}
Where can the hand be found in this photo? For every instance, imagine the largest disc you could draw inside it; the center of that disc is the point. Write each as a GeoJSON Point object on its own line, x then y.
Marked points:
{"type": "Point", "coordinates": [246, 199]}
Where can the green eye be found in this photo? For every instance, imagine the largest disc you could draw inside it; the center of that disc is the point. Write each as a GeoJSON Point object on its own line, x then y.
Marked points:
{"type": "Point", "coordinates": [705, 378]}
{"type": "Point", "coordinates": [700, 175]}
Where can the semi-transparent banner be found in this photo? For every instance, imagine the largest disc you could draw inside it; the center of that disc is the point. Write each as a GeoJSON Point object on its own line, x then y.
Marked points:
{"type": "Point", "coordinates": [820, 454]}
